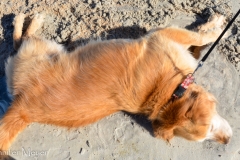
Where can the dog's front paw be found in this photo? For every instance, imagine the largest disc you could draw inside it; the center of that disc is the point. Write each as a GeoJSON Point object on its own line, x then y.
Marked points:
{"type": "Point", "coordinates": [217, 20]}
{"type": "Point", "coordinates": [214, 22]}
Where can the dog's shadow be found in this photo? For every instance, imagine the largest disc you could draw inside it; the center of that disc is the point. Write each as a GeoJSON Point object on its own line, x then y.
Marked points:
{"type": "Point", "coordinates": [6, 43]}
{"type": "Point", "coordinates": [6, 49]}
{"type": "Point", "coordinates": [142, 121]}
{"type": "Point", "coordinates": [129, 32]}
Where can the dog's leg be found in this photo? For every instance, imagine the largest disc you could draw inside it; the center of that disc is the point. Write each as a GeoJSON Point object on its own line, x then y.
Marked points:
{"type": "Point", "coordinates": [34, 45]}
{"type": "Point", "coordinates": [216, 21]}
{"type": "Point", "coordinates": [17, 33]}
{"type": "Point", "coordinates": [12, 123]}
{"type": "Point", "coordinates": [18, 26]}
{"type": "Point", "coordinates": [204, 36]}
{"type": "Point", "coordinates": [34, 25]}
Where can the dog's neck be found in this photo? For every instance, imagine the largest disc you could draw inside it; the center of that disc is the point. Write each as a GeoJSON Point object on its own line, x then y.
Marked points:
{"type": "Point", "coordinates": [161, 96]}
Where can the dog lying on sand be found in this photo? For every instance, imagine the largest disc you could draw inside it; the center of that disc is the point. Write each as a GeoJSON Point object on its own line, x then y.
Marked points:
{"type": "Point", "coordinates": [139, 76]}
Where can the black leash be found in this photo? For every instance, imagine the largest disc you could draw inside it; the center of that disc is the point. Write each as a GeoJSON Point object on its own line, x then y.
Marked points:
{"type": "Point", "coordinates": [216, 42]}
{"type": "Point", "coordinates": [178, 93]}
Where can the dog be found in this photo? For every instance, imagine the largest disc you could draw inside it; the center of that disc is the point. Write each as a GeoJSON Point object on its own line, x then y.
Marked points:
{"type": "Point", "coordinates": [53, 86]}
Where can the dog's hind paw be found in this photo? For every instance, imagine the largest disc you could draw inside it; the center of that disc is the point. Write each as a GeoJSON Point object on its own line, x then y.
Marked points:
{"type": "Point", "coordinates": [35, 24]}
{"type": "Point", "coordinates": [19, 19]}
{"type": "Point", "coordinates": [39, 17]}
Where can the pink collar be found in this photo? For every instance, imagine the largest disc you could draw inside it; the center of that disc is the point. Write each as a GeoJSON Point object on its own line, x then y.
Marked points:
{"type": "Point", "coordinates": [178, 93]}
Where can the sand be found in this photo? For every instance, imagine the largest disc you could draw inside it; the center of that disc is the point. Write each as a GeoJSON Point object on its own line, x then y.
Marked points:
{"type": "Point", "coordinates": [121, 135]}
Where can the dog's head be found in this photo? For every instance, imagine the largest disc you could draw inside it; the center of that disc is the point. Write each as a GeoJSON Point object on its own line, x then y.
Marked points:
{"type": "Point", "coordinates": [193, 117]}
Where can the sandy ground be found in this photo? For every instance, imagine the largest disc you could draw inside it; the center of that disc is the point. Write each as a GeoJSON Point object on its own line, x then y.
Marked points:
{"type": "Point", "coordinates": [125, 136]}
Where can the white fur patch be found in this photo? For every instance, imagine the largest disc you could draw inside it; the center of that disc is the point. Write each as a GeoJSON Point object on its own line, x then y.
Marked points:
{"type": "Point", "coordinates": [218, 125]}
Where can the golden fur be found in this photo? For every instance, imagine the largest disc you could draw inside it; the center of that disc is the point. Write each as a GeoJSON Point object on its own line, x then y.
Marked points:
{"type": "Point", "coordinates": [138, 76]}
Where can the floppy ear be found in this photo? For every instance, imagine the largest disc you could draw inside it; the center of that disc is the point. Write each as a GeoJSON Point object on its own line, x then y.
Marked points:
{"type": "Point", "coordinates": [197, 112]}
{"type": "Point", "coordinates": [160, 131]}
{"type": "Point", "coordinates": [191, 109]}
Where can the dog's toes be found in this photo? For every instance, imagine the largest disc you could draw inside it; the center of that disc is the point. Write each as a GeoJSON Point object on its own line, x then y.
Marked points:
{"type": "Point", "coordinates": [218, 20]}
{"type": "Point", "coordinates": [214, 23]}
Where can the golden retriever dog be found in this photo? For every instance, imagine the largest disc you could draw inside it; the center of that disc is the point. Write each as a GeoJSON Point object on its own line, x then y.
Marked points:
{"type": "Point", "coordinates": [139, 76]}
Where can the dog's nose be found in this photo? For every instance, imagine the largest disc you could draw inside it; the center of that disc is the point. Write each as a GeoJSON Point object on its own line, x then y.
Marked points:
{"type": "Point", "coordinates": [222, 131]}
{"type": "Point", "coordinates": [223, 139]}
{"type": "Point", "coordinates": [226, 140]}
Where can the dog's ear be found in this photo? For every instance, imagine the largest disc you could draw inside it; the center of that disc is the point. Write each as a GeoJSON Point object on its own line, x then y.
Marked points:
{"type": "Point", "coordinates": [191, 112]}
{"type": "Point", "coordinates": [162, 131]}
{"type": "Point", "coordinates": [197, 112]}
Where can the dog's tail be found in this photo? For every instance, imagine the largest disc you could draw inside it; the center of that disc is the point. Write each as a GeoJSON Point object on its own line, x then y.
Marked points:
{"type": "Point", "coordinates": [14, 121]}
